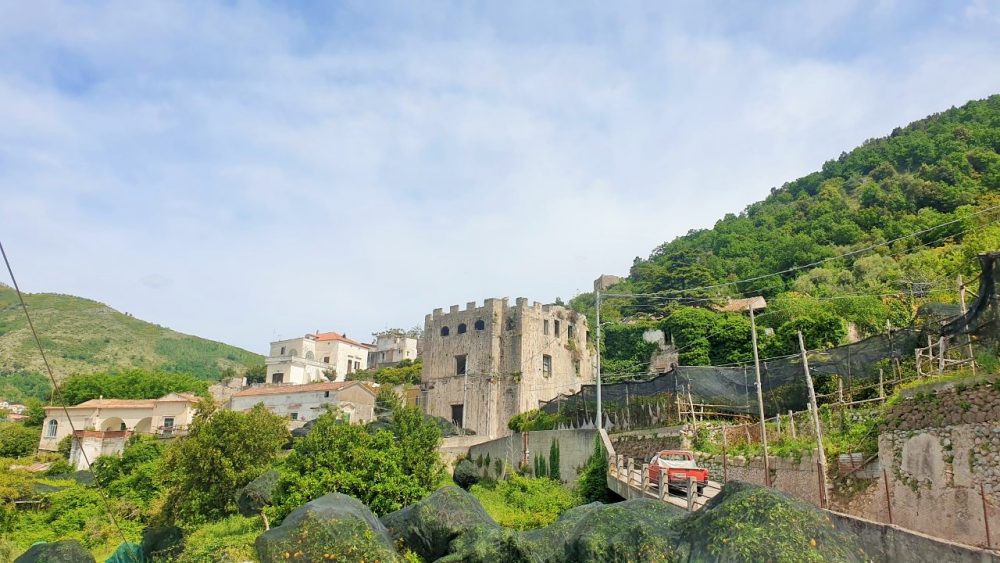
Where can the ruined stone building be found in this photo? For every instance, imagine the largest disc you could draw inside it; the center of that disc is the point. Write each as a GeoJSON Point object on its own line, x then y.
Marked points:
{"type": "Point", "coordinates": [483, 365]}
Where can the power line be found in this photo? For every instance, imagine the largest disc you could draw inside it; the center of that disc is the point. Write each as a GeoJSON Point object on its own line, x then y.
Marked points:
{"type": "Point", "coordinates": [805, 266]}
{"type": "Point", "coordinates": [55, 387]}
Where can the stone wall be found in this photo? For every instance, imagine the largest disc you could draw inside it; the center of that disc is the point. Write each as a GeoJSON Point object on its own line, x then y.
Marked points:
{"type": "Point", "coordinates": [642, 444]}
{"type": "Point", "coordinates": [941, 453]}
{"type": "Point", "coordinates": [795, 477]}
{"type": "Point", "coordinates": [575, 448]}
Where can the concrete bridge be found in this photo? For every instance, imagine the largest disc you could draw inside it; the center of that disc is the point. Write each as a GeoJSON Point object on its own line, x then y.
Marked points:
{"type": "Point", "coordinates": [629, 478]}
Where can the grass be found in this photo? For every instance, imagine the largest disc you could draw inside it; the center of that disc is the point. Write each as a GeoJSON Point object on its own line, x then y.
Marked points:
{"type": "Point", "coordinates": [525, 503]}
{"type": "Point", "coordinates": [81, 336]}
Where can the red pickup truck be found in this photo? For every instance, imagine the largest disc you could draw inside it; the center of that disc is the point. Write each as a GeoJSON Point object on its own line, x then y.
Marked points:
{"type": "Point", "coordinates": [680, 467]}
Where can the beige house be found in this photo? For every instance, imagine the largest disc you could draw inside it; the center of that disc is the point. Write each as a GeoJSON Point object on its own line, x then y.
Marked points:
{"type": "Point", "coordinates": [104, 425]}
{"type": "Point", "coordinates": [302, 403]}
{"type": "Point", "coordinates": [315, 357]}
{"type": "Point", "coordinates": [483, 365]}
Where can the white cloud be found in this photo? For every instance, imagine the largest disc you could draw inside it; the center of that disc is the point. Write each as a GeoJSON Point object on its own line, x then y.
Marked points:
{"type": "Point", "coordinates": [285, 177]}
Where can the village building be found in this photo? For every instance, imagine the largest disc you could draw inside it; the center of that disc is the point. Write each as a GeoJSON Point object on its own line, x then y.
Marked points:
{"type": "Point", "coordinates": [320, 356]}
{"type": "Point", "coordinates": [103, 426]}
{"type": "Point", "coordinates": [301, 403]}
{"type": "Point", "coordinates": [394, 346]}
{"type": "Point", "coordinates": [605, 281]}
{"type": "Point", "coordinates": [483, 365]}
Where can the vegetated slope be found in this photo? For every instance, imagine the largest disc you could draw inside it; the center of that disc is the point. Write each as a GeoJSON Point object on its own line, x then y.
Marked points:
{"type": "Point", "coordinates": [80, 335]}
{"type": "Point", "coordinates": [942, 168]}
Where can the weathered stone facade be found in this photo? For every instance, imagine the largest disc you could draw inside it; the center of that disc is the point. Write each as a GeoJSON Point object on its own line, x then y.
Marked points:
{"type": "Point", "coordinates": [483, 365]}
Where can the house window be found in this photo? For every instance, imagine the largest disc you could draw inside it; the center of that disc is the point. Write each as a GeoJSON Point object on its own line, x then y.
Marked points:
{"type": "Point", "coordinates": [576, 367]}
{"type": "Point", "coordinates": [282, 353]}
{"type": "Point", "coordinates": [545, 327]}
{"type": "Point", "coordinates": [122, 428]}
{"type": "Point", "coordinates": [462, 328]}
{"type": "Point", "coordinates": [51, 429]}
{"type": "Point", "coordinates": [460, 364]}
{"type": "Point", "coordinates": [444, 331]}
{"type": "Point", "coordinates": [547, 365]}
{"type": "Point", "coordinates": [458, 415]}
{"type": "Point", "coordinates": [557, 329]}
{"type": "Point", "coordinates": [295, 416]}
{"type": "Point", "coordinates": [277, 377]}
{"type": "Point", "coordinates": [326, 394]}
{"type": "Point", "coordinates": [326, 359]}
{"type": "Point", "coordinates": [570, 331]}
{"type": "Point", "coordinates": [168, 422]}
{"type": "Point", "coordinates": [480, 325]}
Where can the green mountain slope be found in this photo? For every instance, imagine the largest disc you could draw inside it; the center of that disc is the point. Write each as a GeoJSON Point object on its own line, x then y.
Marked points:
{"type": "Point", "coordinates": [942, 169]}
{"type": "Point", "coordinates": [81, 336]}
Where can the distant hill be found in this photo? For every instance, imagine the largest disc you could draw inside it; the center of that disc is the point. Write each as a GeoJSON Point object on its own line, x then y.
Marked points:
{"type": "Point", "coordinates": [80, 335]}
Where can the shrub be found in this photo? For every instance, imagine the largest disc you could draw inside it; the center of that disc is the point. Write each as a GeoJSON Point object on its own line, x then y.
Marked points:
{"type": "Point", "coordinates": [466, 474]}
{"type": "Point", "coordinates": [593, 482]}
{"type": "Point", "coordinates": [17, 440]}
{"type": "Point", "coordinates": [523, 502]}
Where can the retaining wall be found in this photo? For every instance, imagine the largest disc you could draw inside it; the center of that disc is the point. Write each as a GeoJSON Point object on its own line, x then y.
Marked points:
{"type": "Point", "coordinates": [575, 448]}
{"type": "Point", "coordinates": [893, 543]}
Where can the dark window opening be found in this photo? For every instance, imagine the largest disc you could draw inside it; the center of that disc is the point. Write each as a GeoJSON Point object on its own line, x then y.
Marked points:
{"type": "Point", "coordinates": [545, 327]}
{"type": "Point", "coordinates": [295, 416]}
{"type": "Point", "coordinates": [462, 328]}
{"type": "Point", "coordinates": [480, 325]}
{"type": "Point", "coordinates": [570, 331]}
{"type": "Point", "coordinates": [547, 365]}
{"type": "Point", "coordinates": [460, 364]}
{"type": "Point", "coordinates": [510, 323]}
{"type": "Point", "coordinates": [457, 414]}
{"type": "Point", "coordinates": [557, 329]}
{"type": "Point", "coordinates": [282, 351]}
{"type": "Point", "coordinates": [326, 359]}
{"type": "Point", "coordinates": [277, 377]}
{"type": "Point", "coordinates": [576, 367]}
{"type": "Point", "coordinates": [444, 331]}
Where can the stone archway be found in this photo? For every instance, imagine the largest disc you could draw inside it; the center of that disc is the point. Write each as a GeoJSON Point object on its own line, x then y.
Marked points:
{"type": "Point", "coordinates": [112, 424]}
{"type": "Point", "coordinates": [144, 426]}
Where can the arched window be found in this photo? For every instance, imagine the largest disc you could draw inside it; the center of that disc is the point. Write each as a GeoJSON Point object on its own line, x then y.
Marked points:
{"type": "Point", "coordinates": [480, 325]}
{"type": "Point", "coordinates": [52, 429]}
{"type": "Point", "coordinates": [462, 328]}
{"type": "Point", "coordinates": [293, 352]}
{"type": "Point", "coordinates": [444, 331]}
{"type": "Point", "coordinates": [310, 355]}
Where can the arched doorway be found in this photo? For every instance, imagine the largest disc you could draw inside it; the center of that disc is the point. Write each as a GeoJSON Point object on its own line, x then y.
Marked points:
{"type": "Point", "coordinates": [144, 426]}
{"type": "Point", "coordinates": [113, 424]}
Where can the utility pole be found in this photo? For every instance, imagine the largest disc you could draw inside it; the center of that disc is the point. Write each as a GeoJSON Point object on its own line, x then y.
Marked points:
{"type": "Point", "coordinates": [961, 300]}
{"type": "Point", "coordinates": [818, 427]}
{"type": "Point", "coordinates": [600, 413]}
{"type": "Point", "coordinates": [760, 396]}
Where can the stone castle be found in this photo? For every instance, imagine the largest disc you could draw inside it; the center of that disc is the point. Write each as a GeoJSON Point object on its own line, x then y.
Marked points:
{"type": "Point", "coordinates": [483, 365]}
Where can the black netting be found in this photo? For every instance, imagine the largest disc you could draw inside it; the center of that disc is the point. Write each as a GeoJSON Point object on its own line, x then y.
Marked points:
{"type": "Point", "coordinates": [732, 389]}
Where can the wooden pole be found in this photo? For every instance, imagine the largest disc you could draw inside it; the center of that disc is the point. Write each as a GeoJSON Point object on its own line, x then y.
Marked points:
{"type": "Point", "coordinates": [888, 499]}
{"type": "Point", "coordinates": [961, 300]}
{"type": "Point", "coordinates": [725, 461]}
{"type": "Point", "coordinates": [760, 396]}
{"type": "Point", "coordinates": [791, 424]}
{"type": "Point", "coordinates": [986, 516]}
{"type": "Point", "coordinates": [941, 354]}
{"type": "Point", "coordinates": [881, 387]}
{"type": "Point", "coordinates": [814, 409]}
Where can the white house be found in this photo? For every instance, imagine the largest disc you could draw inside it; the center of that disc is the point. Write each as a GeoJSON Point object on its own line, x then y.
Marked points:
{"type": "Point", "coordinates": [104, 425]}
{"type": "Point", "coordinates": [302, 403]}
{"type": "Point", "coordinates": [394, 346]}
{"type": "Point", "coordinates": [315, 357]}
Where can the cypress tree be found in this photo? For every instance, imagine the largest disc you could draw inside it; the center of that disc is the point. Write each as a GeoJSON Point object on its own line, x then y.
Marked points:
{"type": "Point", "coordinates": [554, 461]}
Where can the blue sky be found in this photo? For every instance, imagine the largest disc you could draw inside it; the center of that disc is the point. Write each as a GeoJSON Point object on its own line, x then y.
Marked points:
{"type": "Point", "coordinates": [247, 170]}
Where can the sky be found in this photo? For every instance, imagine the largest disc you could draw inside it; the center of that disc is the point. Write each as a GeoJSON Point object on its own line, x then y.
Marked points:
{"type": "Point", "coordinates": [245, 171]}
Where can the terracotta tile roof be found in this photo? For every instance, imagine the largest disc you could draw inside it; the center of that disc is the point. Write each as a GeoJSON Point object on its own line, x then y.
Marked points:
{"type": "Point", "coordinates": [324, 336]}
{"type": "Point", "coordinates": [304, 388]}
{"type": "Point", "coordinates": [133, 403]}
{"type": "Point", "coordinates": [741, 305]}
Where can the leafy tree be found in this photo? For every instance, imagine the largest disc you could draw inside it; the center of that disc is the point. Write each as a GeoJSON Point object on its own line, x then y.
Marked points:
{"type": "Point", "coordinates": [223, 452]}
{"type": "Point", "coordinates": [131, 384]}
{"type": "Point", "coordinates": [35, 413]}
{"type": "Point", "coordinates": [466, 475]}
{"type": "Point", "coordinates": [406, 372]}
{"type": "Point", "coordinates": [346, 458]}
{"type": "Point", "coordinates": [535, 419]}
{"type": "Point", "coordinates": [387, 400]}
{"type": "Point", "coordinates": [17, 440]}
{"type": "Point", "coordinates": [256, 373]}
{"type": "Point", "coordinates": [421, 436]}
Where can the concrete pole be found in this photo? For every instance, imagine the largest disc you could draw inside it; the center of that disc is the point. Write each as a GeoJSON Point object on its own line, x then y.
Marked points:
{"type": "Point", "coordinates": [760, 396]}
{"type": "Point", "coordinates": [814, 410]}
{"type": "Point", "coordinates": [600, 412]}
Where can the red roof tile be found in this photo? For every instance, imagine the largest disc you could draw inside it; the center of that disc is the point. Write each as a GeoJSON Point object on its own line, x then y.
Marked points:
{"type": "Point", "coordinates": [324, 336]}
